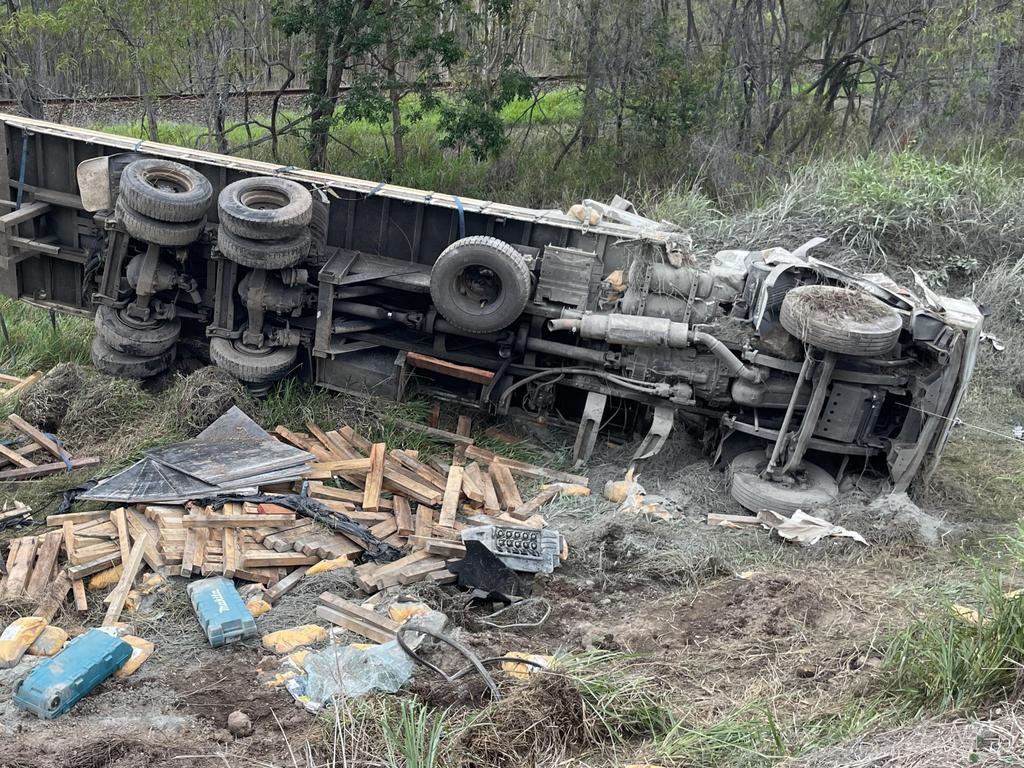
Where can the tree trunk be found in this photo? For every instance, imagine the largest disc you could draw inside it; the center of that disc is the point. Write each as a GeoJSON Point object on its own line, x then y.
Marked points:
{"type": "Point", "coordinates": [590, 115]}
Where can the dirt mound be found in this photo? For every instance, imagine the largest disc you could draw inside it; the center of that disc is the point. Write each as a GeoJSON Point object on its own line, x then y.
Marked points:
{"type": "Point", "coordinates": [46, 403]}
{"type": "Point", "coordinates": [198, 399]}
{"type": "Point", "coordinates": [99, 751]}
{"type": "Point", "coordinates": [893, 520]}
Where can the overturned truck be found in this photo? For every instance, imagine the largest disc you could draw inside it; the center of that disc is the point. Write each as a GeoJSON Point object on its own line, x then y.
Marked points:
{"type": "Point", "coordinates": [793, 372]}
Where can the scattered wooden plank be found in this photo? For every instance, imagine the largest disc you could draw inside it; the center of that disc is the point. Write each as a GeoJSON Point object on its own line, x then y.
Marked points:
{"type": "Point", "coordinates": [463, 429]}
{"type": "Point", "coordinates": [285, 585]}
{"type": "Point", "coordinates": [472, 483]}
{"type": "Point", "coordinates": [443, 547]}
{"type": "Point", "coordinates": [341, 466]}
{"type": "Point", "coordinates": [452, 492]}
{"type": "Point", "coordinates": [18, 575]}
{"type": "Point", "coordinates": [266, 558]}
{"type": "Point", "coordinates": [427, 473]}
{"type": "Point", "coordinates": [41, 470]}
{"type": "Point", "coordinates": [14, 457]}
{"type": "Point", "coordinates": [384, 529]}
{"type": "Point", "coordinates": [36, 436]}
{"type": "Point", "coordinates": [366, 615]}
{"type": "Point", "coordinates": [141, 528]}
{"type": "Point", "coordinates": [20, 385]}
{"type": "Point", "coordinates": [436, 365]}
{"type": "Point", "coordinates": [68, 531]}
{"type": "Point", "coordinates": [443, 576]}
{"type": "Point", "coordinates": [293, 438]}
{"type": "Point", "coordinates": [403, 516]}
{"type": "Point", "coordinates": [46, 563]}
{"type": "Point", "coordinates": [522, 468]}
{"type": "Point", "coordinates": [77, 517]}
{"type": "Point", "coordinates": [424, 521]}
{"type": "Point", "coordinates": [117, 516]}
{"type": "Point", "coordinates": [732, 520]}
{"type": "Point", "coordinates": [81, 601]}
{"type": "Point", "coordinates": [76, 572]}
{"type": "Point", "coordinates": [344, 621]}
{"type": "Point", "coordinates": [418, 572]}
{"type": "Point", "coordinates": [491, 503]}
{"type": "Point", "coordinates": [375, 479]}
{"type": "Point", "coordinates": [442, 435]}
{"type": "Point", "coordinates": [231, 551]}
{"type": "Point", "coordinates": [533, 505]}
{"type": "Point", "coordinates": [505, 487]}
{"type": "Point", "coordinates": [235, 521]}
{"type": "Point", "coordinates": [56, 592]}
{"type": "Point", "coordinates": [124, 584]}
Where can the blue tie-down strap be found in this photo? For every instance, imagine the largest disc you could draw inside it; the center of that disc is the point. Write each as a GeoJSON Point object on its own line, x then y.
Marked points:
{"type": "Point", "coordinates": [304, 491]}
{"type": "Point", "coordinates": [285, 169]}
{"type": "Point", "coordinates": [138, 145]}
{"type": "Point", "coordinates": [60, 447]}
{"type": "Point", "coordinates": [376, 189]}
{"type": "Point", "coordinates": [462, 216]}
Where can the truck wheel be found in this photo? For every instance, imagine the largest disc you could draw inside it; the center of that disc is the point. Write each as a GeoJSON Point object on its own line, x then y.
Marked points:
{"type": "Point", "coordinates": [480, 284]}
{"type": "Point", "coordinates": [253, 365]}
{"type": "Point", "coordinates": [114, 363]}
{"type": "Point", "coordinates": [318, 224]}
{"type": "Point", "coordinates": [840, 320]}
{"type": "Point", "coordinates": [166, 233]}
{"type": "Point", "coordinates": [265, 208]}
{"type": "Point", "coordinates": [165, 191]}
{"type": "Point", "coordinates": [133, 337]}
{"type": "Point", "coordinates": [263, 254]}
{"type": "Point", "coordinates": [812, 486]}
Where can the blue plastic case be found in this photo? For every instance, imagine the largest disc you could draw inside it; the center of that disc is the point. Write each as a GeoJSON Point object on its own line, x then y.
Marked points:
{"type": "Point", "coordinates": [57, 684]}
{"type": "Point", "coordinates": [221, 611]}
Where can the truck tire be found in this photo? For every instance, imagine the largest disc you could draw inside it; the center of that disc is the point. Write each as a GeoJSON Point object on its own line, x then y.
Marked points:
{"type": "Point", "coordinates": [840, 320]}
{"type": "Point", "coordinates": [265, 208]}
{"type": "Point", "coordinates": [165, 233]}
{"type": "Point", "coordinates": [133, 338]}
{"type": "Point", "coordinates": [114, 363]}
{"type": "Point", "coordinates": [165, 191]}
{"type": "Point", "coordinates": [812, 488]}
{"type": "Point", "coordinates": [264, 254]}
{"type": "Point", "coordinates": [480, 284]}
{"type": "Point", "coordinates": [252, 365]}
{"type": "Point", "coordinates": [318, 224]}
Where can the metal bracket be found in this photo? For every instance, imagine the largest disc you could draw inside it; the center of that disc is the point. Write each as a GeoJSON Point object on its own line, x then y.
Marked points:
{"type": "Point", "coordinates": [654, 440]}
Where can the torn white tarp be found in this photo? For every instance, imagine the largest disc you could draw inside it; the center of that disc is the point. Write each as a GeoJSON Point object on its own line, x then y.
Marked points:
{"type": "Point", "coordinates": [805, 528]}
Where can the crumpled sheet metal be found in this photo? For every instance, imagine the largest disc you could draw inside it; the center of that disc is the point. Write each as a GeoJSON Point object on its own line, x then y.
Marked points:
{"type": "Point", "coordinates": [805, 529]}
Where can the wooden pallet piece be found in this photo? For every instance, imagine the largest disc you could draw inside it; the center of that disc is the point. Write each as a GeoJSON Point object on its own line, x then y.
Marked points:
{"type": "Point", "coordinates": [443, 576]}
{"type": "Point", "coordinates": [452, 492]}
{"type": "Point", "coordinates": [417, 572]}
{"type": "Point", "coordinates": [384, 529]}
{"type": "Point", "coordinates": [235, 521]}
{"type": "Point", "coordinates": [463, 429]}
{"type": "Point", "coordinates": [441, 435]}
{"type": "Point", "coordinates": [77, 517]}
{"type": "Point", "coordinates": [53, 599]}
{"type": "Point", "coordinates": [299, 441]}
{"type": "Point", "coordinates": [188, 553]}
{"type": "Point", "coordinates": [68, 532]}
{"type": "Point", "coordinates": [283, 540]}
{"type": "Point", "coordinates": [36, 436]}
{"type": "Point", "coordinates": [92, 552]}
{"type": "Point", "coordinates": [375, 478]}
{"type": "Point", "coordinates": [14, 457]}
{"type": "Point", "coordinates": [231, 551]}
{"type": "Point", "coordinates": [138, 525]}
{"type": "Point", "coordinates": [369, 631]}
{"type": "Point", "coordinates": [424, 523]}
{"type": "Point", "coordinates": [20, 385]}
{"type": "Point", "coordinates": [403, 516]}
{"type": "Point", "coordinates": [119, 594]}
{"type": "Point", "coordinates": [733, 520]}
{"type": "Point", "coordinates": [505, 487]}
{"type": "Point", "coordinates": [428, 474]}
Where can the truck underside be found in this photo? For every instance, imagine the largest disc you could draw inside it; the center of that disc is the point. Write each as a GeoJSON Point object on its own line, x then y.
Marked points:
{"type": "Point", "coordinates": [793, 370]}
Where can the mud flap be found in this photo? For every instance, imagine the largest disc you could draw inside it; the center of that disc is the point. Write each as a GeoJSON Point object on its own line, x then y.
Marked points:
{"type": "Point", "coordinates": [661, 427]}
{"type": "Point", "coordinates": [590, 423]}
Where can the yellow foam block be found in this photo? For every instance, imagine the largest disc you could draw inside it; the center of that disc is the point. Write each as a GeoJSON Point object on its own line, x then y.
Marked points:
{"type": "Point", "coordinates": [298, 659]}
{"type": "Point", "coordinates": [567, 489]}
{"type": "Point", "coordinates": [107, 578]}
{"type": "Point", "coordinates": [329, 565]}
{"type": "Point", "coordinates": [141, 650]}
{"type": "Point", "coordinates": [49, 642]}
{"type": "Point", "coordinates": [257, 606]}
{"type": "Point", "coordinates": [522, 671]}
{"type": "Point", "coordinates": [17, 639]}
{"type": "Point", "coordinates": [287, 640]}
{"type": "Point", "coordinates": [153, 582]}
{"type": "Point", "coordinates": [402, 612]}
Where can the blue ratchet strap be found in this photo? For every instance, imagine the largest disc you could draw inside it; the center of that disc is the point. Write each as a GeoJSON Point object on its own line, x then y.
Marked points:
{"type": "Point", "coordinates": [284, 169]}
{"type": "Point", "coordinates": [60, 447]}
{"type": "Point", "coordinates": [304, 490]}
{"type": "Point", "coordinates": [462, 216]}
{"type": "Point", "coordinates": [21, 172]}
{"type": "Point", "coordinates": [376, 189]}
{"type": "Point", "coordinates": [138, 145]}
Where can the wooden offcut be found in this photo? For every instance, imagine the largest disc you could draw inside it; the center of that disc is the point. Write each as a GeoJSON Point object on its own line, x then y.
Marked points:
{"type": "Point", "coordinates": [505, 487]}
{"type": "Point", "coordinates": [120, 592]}
{"type": "Point", "coordinates": [375, 478]}
{"type": "Point", "coordinates": [436, 365]}
{"type": "Point", "coordinates": [452, 492]}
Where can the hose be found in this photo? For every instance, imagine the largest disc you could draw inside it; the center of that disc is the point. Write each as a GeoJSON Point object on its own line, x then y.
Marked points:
{"type": "Point", "coordinates": [725, 356]}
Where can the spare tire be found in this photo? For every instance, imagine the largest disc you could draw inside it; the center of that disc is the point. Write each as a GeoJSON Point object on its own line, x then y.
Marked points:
{"type": "Point", "coordinates": [264, 254]}
{"type": "Point", "coordinates": [265, 208]}
{"type": "Point", "coordinates": [840, 320]}
{"type": "Point", "coordinates": [115, 363]}
{"type": "Point", "coordinates": [811, 487]}
{"type": "Point", "coordinates": [165, 190]}
{"type": "Point", "coordinates": [480, 284]}
{"type": "Point", "coordinates": [123, 334]}
{"type": "Point", "coordinates": [253, 365]}
{"type": "Point", "coordinates": [165, 233]}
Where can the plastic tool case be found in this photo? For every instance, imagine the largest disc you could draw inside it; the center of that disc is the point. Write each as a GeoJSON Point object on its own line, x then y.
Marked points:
{"type": "Point", "coordinates": [57, 684]}
{"type": "Point", "coordinates": [221, 612]}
